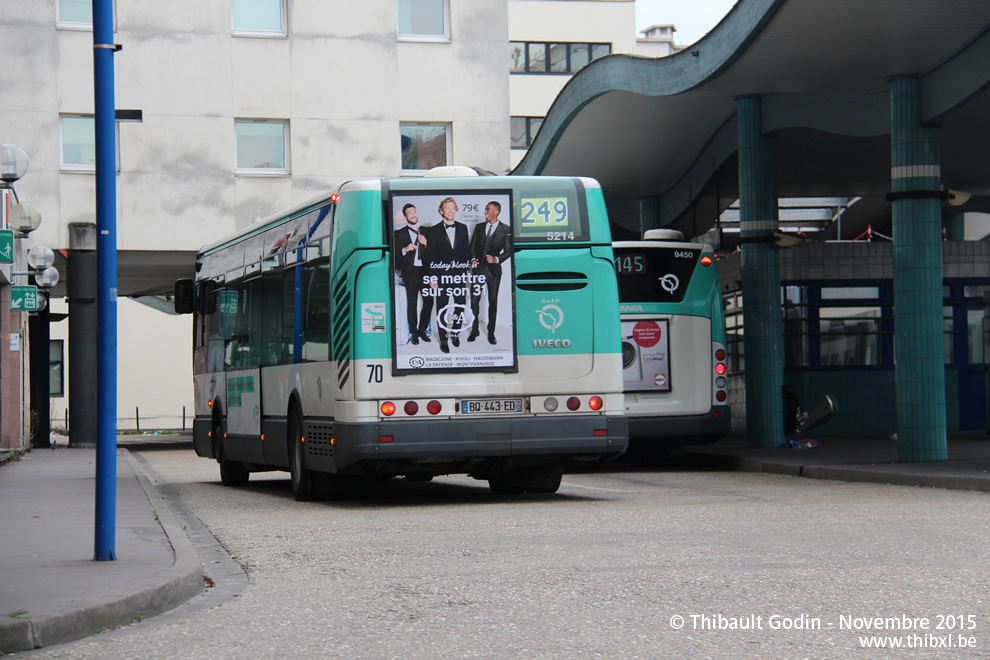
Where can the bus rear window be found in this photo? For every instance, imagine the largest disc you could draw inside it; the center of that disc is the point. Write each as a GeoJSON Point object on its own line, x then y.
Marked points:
{"type": "Point", "coordinates": [654, 274]}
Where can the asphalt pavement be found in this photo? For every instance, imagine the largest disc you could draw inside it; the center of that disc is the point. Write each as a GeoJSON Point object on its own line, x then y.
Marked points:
{"type": "Point", "coordinates": [53, 591]}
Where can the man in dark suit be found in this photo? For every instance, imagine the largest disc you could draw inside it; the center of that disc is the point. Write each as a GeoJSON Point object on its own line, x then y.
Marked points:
{"type": "Point", "coordinates": [491, 244]}
{"type": "Point", "coordinates": [448, 254]}
{"type": "Point", "coordinates": [409, 246]}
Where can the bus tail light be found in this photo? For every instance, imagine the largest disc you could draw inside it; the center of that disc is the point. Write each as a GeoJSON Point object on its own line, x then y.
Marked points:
{"type": "Point", "coordinates": [596, 403]}
{"type": "Point", "coordinates": [434, 407]}
{"type": "Point", "coordinates": [706, 260]}
{"type": "Point", "coordinates": [388, 408]}
{"type": "Point", "coordinates": [720, 381]}
{"type": "Point", "coordinates": [551, 403]}
{"type": "Point", "coordinates": [601, 432]}
{"type": "Point", "coordinates": [573, 403]}
{"type": "Point", "coordinates": [411, 408]}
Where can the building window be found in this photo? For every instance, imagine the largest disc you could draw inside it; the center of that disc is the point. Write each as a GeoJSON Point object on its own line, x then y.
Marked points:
{"type": "Point", "coordinates": [424, 146]}
{"type": "Point", "coordinates": [522, 131]}
{"type": "Point", "coordinates": [424, 19]}
{"type": "Point", "coordinates": [553, 58]}
{"type": "Point", "coordinates": [74, 13]}
{"type": "Point", "coordinates": [262, 146]}
{"type": "Point", "coordinates": [795, 304]}
{"type": "Point", "coordinates": [77, 14]}
{"type": "Point", "coordinates": [850, 336]}
{"type": "Point", "coordinates": [259, 17]}
{"type": "Point", "coordinates": [77, 143]}
{"type": "Point", "coordinates": [733, 304]}
{"type": "Point", "coordinates": [56, 371]}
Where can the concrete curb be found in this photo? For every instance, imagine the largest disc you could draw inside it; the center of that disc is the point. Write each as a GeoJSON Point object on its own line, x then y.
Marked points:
{"type": "Point", "coordinates": [145, 598]}
{"type": "Point", "coordinates": [895, 478]}
{"type": "Point", "coordinates": [893, 475]}
{"type": "Point", "coordinates": [8, 455]}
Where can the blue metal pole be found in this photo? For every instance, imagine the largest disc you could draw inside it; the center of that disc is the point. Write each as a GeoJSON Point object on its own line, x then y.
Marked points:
{"type": "Point", "coordinates": [106, 266]}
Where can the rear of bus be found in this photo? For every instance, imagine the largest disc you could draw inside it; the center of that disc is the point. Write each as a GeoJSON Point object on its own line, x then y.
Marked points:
{"type": "Point", "coordinates": [673, 340]}
{"type": "Point", "coordinates": [428, 393]}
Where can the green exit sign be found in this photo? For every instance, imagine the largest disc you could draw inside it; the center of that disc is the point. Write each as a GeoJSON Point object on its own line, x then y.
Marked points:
{"type": "Point", "coordinates": [6, 246]}
{"type": "Point", "coordinates": [24, 298]}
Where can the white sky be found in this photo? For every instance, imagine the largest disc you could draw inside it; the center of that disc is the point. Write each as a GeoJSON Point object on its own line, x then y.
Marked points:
{"type": "Point", "coordinates": [692, 18]}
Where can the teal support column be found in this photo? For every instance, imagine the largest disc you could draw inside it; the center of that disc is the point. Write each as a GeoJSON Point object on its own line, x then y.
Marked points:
{"type": "Point", "coordinates": [955, 226]}
{"type": "Point", "coordinates": [649, 214]}
{"type": "Point", "coordinates": [917, 214]}
{"type": "Point", "coordinates": [764, 330]}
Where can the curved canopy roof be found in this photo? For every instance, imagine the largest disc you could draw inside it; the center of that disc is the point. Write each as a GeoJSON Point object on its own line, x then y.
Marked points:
{"type": "Point", "coordinates": [666, 128]}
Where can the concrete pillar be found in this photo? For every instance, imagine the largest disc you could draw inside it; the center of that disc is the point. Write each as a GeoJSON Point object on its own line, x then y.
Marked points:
{"type": "Point", "coordinates": [81, 285]}
{"type": "Point", "coordinates": [764, 332]}
{"type": "Point", "coordinates": [917, 214]}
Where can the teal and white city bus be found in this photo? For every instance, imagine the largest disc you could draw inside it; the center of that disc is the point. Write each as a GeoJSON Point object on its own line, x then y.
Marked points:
{"type": "Point", "coordinates": [412, 327]}
{"type": "Point", "coordinates": [673, 340]}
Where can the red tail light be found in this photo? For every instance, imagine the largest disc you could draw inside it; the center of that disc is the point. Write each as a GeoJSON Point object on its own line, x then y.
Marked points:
{"type": "Point", "coordinates": [706, 260]}
{"type": "Point", "coordinates": [720, 355]}
{"type": "Point", "coordinates": [720, 395]}
{"type": "Point", "coordinates": [596, 403]}
{"type": "Point", "coordinates": [434, 407]}
{"type": "Point", "coordinates": [573, 403]}
{"type": "Point", "coordinates": [388, 408]}
{"type": "Point", "coordinates": [720, 368]}
{"type": "Point", "coordinates": [411, 408]}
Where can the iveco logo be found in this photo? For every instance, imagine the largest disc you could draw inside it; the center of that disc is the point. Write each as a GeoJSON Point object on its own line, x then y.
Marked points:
{"type": "Point", "coordinates": [551, 343]}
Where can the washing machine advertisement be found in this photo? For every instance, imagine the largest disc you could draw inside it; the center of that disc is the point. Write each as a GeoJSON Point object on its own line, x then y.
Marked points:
{"type": "Point", "coordinates": [646, 356]}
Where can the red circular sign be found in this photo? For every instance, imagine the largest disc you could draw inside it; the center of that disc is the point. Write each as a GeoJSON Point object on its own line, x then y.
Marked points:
{"type": "Point", "coordinates": [647, 333]}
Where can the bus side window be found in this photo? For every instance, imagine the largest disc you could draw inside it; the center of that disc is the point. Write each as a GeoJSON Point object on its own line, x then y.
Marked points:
{"type": "Point", "coordinates": [316, 319]}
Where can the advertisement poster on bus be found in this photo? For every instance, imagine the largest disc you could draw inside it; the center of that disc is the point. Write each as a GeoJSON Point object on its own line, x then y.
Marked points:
{"type": "Point", "coordinates": [645, 355]}
{"type": "Point", "coordinates": [453, 281]}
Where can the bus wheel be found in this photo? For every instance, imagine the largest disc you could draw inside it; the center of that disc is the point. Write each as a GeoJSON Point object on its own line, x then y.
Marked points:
{"type": "Point", "coordinates": [302, 479]}
{"type": "Point", "coordinates": [527, 480]}
{"type": "Point", "coordinates": [232, 473]}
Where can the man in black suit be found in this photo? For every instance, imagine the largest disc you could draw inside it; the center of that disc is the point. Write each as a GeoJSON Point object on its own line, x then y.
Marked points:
{"type": "Point", "coordinates": [491, 244]}
{"type": "Point", "coordinates": [448, 255]}
{"type": "Point", "coordinates": [409, 246]}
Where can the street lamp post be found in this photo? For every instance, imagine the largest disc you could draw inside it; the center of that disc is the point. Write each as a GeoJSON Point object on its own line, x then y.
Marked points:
{"type": "Point", "coordinates": [24, 219]}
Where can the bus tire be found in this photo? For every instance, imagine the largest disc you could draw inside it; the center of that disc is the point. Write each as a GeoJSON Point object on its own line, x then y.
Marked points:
{"type": "Point", "coordinates": [232, 473]}
{"type": "Point", "coordinates": [302, 478]}
{"type": "Point", "coordinates": [527, 480]}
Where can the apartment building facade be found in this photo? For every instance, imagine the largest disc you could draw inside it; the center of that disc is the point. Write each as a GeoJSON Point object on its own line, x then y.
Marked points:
{"type": "Point", "coordinates": [229, 110]}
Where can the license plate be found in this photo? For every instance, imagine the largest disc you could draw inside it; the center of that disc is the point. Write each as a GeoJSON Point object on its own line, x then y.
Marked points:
{"type": "Point", "coordinates": [491, 406]}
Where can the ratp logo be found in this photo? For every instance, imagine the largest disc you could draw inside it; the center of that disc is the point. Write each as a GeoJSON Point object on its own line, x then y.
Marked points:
{"type": "Point", "coordinates": [551, 317]}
